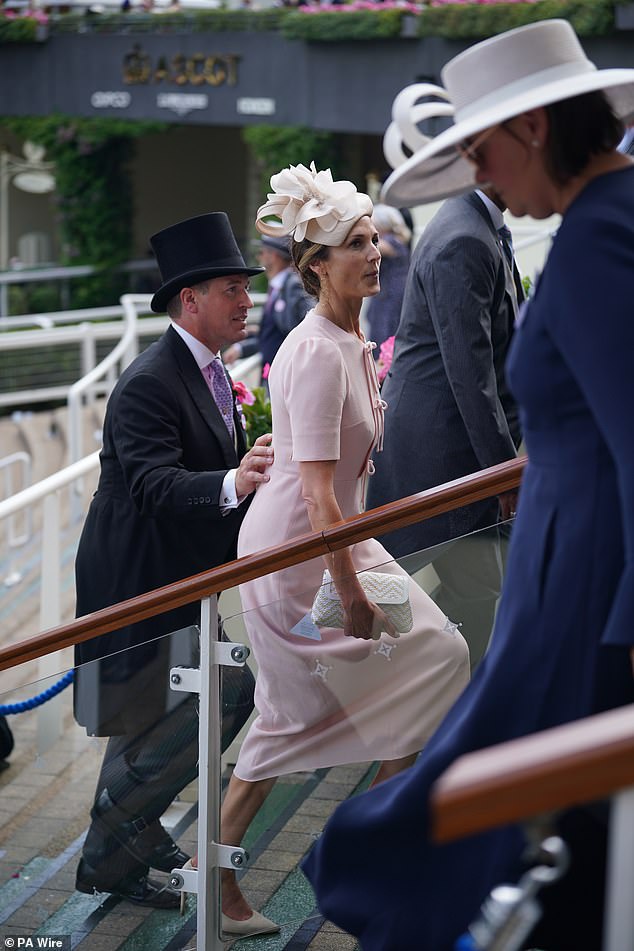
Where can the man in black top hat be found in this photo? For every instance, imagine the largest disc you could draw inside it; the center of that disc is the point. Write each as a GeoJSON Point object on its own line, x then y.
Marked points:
{"type": "Point", "coordinates": [174, 472]}
{"type": "Point", "coordinates": [287, 303]}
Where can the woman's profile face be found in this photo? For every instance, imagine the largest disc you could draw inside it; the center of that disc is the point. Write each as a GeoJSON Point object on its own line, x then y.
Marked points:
{"type": "Point", "coordinates": [352, 268]}
{"type": "Point", "coordinates": [512, 160]}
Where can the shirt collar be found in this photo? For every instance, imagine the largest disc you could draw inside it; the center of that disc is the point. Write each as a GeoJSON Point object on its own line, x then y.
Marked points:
{"type": "Point", "coordinates": [494, 212]}
{"type": "Point", "coordinates": [278, 279]}
{"type": "Point", "coordinates": [201, 354]}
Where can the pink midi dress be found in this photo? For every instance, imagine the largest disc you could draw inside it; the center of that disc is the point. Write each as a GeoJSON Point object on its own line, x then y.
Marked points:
{"type": "Point", "coordinates": [322, 698]}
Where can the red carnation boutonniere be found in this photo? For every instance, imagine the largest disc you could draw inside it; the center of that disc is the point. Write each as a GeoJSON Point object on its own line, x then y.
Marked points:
{"type": "Point", "coordinates": [254, 409]}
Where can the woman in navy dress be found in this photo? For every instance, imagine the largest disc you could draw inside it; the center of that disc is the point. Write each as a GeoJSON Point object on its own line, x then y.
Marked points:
{"type": "Point", "coordinates": [535, 119]}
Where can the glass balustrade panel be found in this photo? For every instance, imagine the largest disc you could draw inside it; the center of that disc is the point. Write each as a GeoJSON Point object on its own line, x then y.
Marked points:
{"type": "Point", "coordinates": [331, 709]}
{"type": "Point", "coordinates": [345, 706]}
{"type": "Point", "coordinates": [49, 822]}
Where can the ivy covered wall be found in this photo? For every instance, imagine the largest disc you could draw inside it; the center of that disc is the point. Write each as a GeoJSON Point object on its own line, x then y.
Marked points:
{"type": "Point", "coordinates": [95, 203]}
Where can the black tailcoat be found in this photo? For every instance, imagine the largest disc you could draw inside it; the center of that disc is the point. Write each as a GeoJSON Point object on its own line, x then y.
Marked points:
{"type": "Point", "coordinates": [154, 519]}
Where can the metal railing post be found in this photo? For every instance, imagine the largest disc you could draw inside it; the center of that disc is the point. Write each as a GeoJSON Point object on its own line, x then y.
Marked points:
{"type": "Point", "coordinates": [49, 716]}
{"type": "Point", "coordinates": [75, 449]}
{"type": "Point", "coordinates": [13, 539]}
{"type": "Point", "coordinates": [88, 358]}
{"type": "Point", "coordinates": [619, 917]}
{"type": "Point", "coordinates": [208, 908]}
{"type": "Point", "coordinates": [212, 855]}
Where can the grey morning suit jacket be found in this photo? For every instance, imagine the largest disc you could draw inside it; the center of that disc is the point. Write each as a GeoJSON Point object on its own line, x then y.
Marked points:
{"type": "Point", "coordinates": [449, 410]}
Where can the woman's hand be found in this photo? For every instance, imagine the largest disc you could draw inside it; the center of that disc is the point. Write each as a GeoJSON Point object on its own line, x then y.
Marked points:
{"type": "Point", "coordinates": [365, 620]}
{"type": "Point", "coordinates": [508, 504]}
{"type": "Point", "coordinates": [362, 618]}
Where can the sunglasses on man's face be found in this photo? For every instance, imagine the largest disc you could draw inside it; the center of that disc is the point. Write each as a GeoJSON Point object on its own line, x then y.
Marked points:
{"type": "Point", "coordinates": [469, 149]}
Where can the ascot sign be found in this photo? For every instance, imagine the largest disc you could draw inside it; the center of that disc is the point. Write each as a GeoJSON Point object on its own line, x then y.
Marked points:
{"type": "Point", "coordinates": [196, 69]}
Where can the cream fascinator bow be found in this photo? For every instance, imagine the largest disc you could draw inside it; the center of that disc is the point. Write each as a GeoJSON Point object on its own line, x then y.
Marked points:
{"type": "Point", "coordinates": [309, 204]}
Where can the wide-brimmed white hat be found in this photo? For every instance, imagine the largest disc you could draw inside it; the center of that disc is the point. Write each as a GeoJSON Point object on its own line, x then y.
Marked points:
{"type": "Point", "coordinates": [488, 83]}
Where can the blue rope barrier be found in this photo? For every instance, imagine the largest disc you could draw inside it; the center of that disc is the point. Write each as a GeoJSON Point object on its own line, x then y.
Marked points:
{"type": "Point", "coordinates": [33, 702]}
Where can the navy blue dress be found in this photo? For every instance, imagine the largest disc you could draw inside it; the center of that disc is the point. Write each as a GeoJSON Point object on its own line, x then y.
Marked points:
{"type": "Point", "coordinates": [560, 649]}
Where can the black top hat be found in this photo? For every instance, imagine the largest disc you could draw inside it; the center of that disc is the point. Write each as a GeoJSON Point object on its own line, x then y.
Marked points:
{"type": "Point", "coordinates": [193, 251]}
{"type": "Point", "coordinates": [281, 245]}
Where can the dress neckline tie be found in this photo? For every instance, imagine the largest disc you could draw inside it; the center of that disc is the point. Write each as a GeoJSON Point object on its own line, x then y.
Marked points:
{"type": "Point", "coordinates": [378, 406]}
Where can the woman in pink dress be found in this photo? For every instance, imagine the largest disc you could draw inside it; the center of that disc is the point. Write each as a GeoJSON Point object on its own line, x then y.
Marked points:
{"type": "Point", "coordinates": [327, 697]}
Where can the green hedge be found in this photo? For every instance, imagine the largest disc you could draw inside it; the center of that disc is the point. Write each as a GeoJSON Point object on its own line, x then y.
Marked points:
{"type": "Point", "coordinates": [331, 26]}
{"type": "Point", "coordinates": [475, 21]}
{"type": "Point", "coordinates": [18, 30]}
{"type": "Point", "coordinates": [203, 21]}
{"type": "Point", "coordinates": [463, 21]}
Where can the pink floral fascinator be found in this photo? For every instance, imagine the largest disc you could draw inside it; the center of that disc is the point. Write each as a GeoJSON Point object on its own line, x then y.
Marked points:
{"type": "Point", "coordinates": [309, 204]}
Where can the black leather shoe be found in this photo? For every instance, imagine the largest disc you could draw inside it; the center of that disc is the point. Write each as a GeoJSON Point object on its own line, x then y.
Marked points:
{"type": "Point", "coordinates": [147, 842]}
{"type": "Point", "coordinates": [141, 891]}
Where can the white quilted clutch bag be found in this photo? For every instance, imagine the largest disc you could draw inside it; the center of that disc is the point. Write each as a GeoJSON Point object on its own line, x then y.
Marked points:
{"type": "Point", "coordinates": [390, 592]}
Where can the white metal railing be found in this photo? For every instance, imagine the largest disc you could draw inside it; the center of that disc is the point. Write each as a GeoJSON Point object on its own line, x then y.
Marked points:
{"type": "Point", "coordinates": [84, 335]}
{"type": "Point", "coordinates": [54, 273]}
{"type": "Point", "coordinates": [58, 317]}
{"type": "Point", "coordinates": [105, 371]}
{"type": "Point", "coordinates": [8, 465]}
{"type": "Point", "coordinates": [85, 328]}
{"type": "Point", "coordinates": [204, 881]}
{"type": "Point", "coordinates": [47, 492]}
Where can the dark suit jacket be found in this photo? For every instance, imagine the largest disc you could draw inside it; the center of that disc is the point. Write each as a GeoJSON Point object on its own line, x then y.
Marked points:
{"type": "Point", "coordinates": [449, 409]}
{"type": "Point", "coordinates": [290, 306]}
{"type": "Point", "coordinates": [154, 519]}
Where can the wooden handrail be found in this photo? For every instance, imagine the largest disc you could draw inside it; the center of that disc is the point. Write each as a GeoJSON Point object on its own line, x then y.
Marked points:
{"type": "Point", "coordinates": [471, 488]}
{"type": "Point", "coordinates": [579, 762]}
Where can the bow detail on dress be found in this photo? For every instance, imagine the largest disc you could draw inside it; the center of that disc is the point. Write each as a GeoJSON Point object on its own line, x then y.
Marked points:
{"type": "Point", "coordinates": [378, 405]}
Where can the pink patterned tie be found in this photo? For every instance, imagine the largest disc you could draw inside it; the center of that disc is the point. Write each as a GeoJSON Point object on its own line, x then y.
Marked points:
{"type": "Point", "coordinates": [218, 383]}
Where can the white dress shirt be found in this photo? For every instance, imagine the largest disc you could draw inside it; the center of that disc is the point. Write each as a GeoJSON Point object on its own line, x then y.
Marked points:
{"type": "Point", "coordinates": [203, 356]}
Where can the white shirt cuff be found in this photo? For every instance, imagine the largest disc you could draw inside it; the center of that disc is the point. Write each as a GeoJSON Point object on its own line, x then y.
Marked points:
{"type": "Point", "coordinates": [228, 497]}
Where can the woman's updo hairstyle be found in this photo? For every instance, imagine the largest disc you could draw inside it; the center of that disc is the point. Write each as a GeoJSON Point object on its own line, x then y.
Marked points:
{"type": "Point", "coordinates": [304, 254]}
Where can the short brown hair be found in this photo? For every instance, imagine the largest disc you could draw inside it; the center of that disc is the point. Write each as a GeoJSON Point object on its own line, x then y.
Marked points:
{"type": "Point", "coordinates": [578, 129]}
{"type": "Point", "coordinates": [174, 307]}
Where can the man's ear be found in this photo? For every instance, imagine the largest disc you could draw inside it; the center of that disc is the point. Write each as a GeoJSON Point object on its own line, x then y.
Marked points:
{"type": "Point", "coordinates": [188, 300]}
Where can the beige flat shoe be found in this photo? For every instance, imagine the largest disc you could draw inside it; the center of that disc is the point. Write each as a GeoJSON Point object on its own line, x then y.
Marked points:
{"type": "Point", "coordinates": [256, 924]}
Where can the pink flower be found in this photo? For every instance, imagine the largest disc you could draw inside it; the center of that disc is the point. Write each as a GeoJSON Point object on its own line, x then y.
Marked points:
{"type": "Point", "coordinates": [243, 393]}
{"type": "Point", "coordinates": [443, 3]}
{"type": "Point", "coordinates": [386, 353]}
{"type": "Point", "coordinates": [266, 369]}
